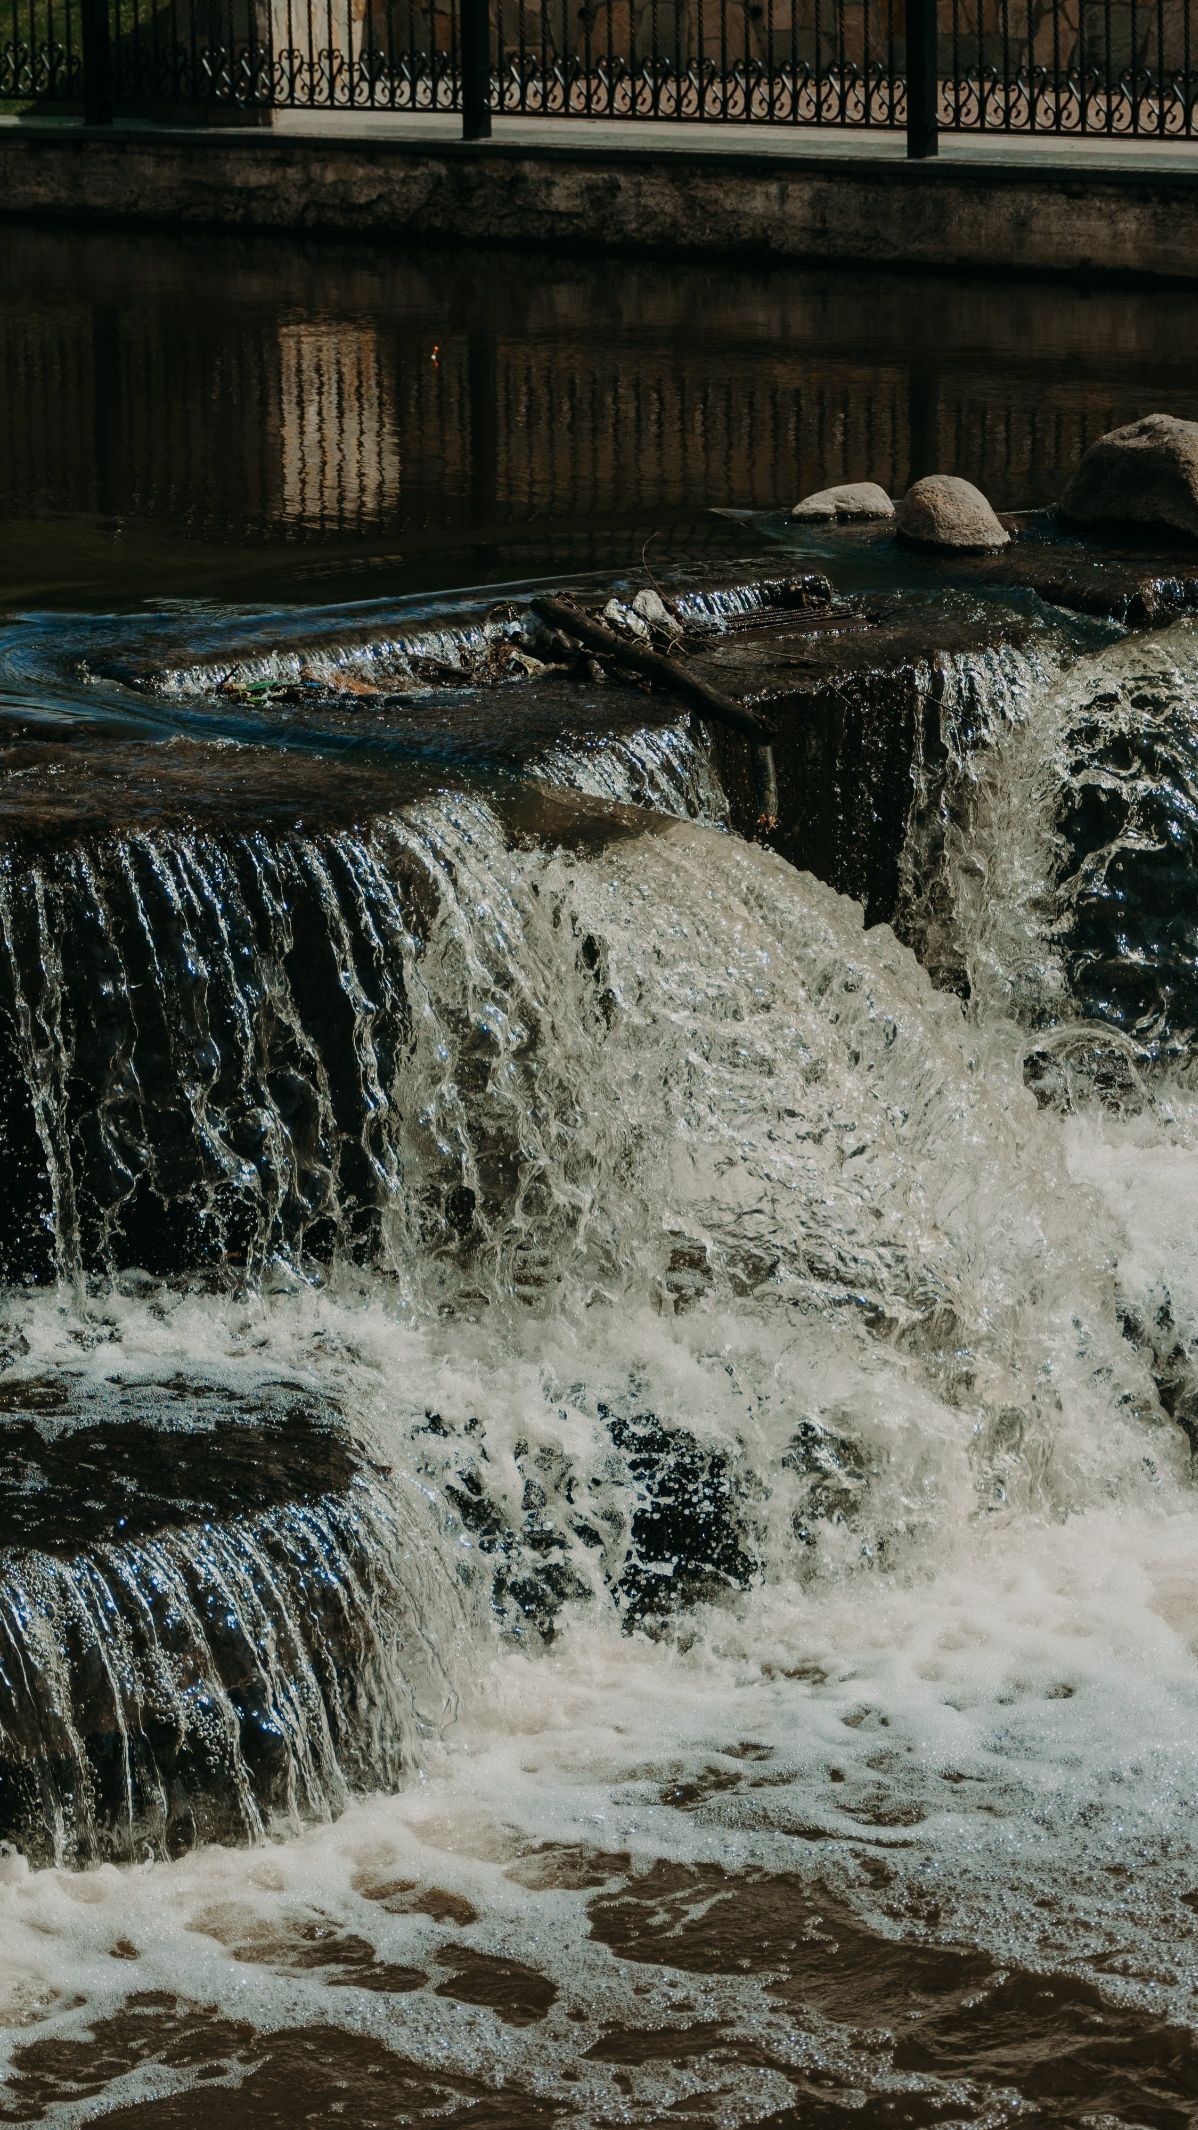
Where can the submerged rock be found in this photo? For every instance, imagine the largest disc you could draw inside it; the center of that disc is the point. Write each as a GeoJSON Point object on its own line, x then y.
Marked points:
{"type": "Point", "coordinates": [1144, 474]}
{"type": "Point", "coordinates": [944, 511]}
{"type": "Point", "coordinates": [853, 499]}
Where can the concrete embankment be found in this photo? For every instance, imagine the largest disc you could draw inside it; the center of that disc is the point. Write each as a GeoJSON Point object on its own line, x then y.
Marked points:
{"type": "Point", "coordinates": [1065, 208]}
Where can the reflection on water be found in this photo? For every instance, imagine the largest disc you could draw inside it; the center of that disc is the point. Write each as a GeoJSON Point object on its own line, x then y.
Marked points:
{"type": "Point", "coordinates": [207, 414]}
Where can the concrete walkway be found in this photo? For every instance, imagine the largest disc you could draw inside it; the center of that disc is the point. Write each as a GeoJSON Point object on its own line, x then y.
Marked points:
{"type": "Point", "coordinates": [824, 143]}
{"type": "Point", "coordinates": [659, 137]}
{"type": "Point", "coordinates": [1041, 152]}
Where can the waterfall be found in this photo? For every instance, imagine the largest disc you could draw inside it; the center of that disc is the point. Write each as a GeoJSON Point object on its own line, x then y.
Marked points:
{"type": "Point", "coordinates": [213, 1614]}
{"type": "Point", "coordinates": [640, 1043]}
{"type": "Point", "coordinates": [1067, 881]}
{"type": "Point", "coordinates": [567, 1404]}
{"type": "Point", "coordinates": [519, 1213]}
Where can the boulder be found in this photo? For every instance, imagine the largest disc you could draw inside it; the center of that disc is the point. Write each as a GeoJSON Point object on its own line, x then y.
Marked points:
{"type": "Point", "coordinates": [943, 511]}
{"type": "Point", "coordinates": [854, 499]}
{"type": "Point", "coordinates": [1145, 474]}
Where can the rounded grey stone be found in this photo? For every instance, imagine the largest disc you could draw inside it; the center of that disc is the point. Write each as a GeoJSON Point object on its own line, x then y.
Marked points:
{"type": "Point", "coordinates": [852, 500]}
{"type": "Point", "coordinates": [944, 511]}
{"type": "Point", "coordinates": [1144, 474]}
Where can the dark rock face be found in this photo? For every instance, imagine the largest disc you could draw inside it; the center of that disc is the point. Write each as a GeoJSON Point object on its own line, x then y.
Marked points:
{"type": "Point", "coordinates": [1145, 474]}
{"type": "Point", "coordinates": [178, 1661]}
{"type": "Point", "coordinates": [78, 1467]}
{"type": "Point", "coordinates": [856, 711]}
{"type": "Point", "coordinates": [675, 1528]}
{"type": "Point", "coordinates": [1129, 913]}
{"type": "Point", "coordinates": [943, 511]}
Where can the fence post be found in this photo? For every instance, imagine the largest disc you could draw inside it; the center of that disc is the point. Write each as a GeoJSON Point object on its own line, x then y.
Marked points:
{"type": "Point", "coordinates": [97, 63]}
{"type": "Point", "coordinates": [476, 69]}
{"type": "Point", "coordinates": [923, 78]}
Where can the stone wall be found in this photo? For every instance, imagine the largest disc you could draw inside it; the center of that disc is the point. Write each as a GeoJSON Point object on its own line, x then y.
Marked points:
{"type": "Point", "coordinates": [1124, 216]}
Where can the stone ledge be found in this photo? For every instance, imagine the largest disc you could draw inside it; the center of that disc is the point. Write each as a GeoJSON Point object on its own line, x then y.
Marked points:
{"type": "Point", "coordinates": [1014, 215]}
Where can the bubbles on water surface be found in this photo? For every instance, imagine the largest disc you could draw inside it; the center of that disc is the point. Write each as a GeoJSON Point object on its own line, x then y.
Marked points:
{"type": "Point", "coordinates": [937, 1854]}
{"type": "Point", "coordinates": [755, 1342]}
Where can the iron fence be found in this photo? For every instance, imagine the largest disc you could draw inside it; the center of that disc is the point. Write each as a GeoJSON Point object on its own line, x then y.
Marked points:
{"type": "Point", "coordinates": [291, 54]}
{"type": "Point", "coordinates": [229, 59]}
{"type": "Point", "coordinates": [1113, 68]}
{"type": "Point", "coordinates": [41, 52]}
{"type": "Point", "coordinates": [785, 62]}
{"type": "Point", "coordinates": [1095, 67]}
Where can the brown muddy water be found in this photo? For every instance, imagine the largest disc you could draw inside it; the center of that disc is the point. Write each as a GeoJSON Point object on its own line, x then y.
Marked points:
{"type": "Point", "coordinates": [596, 1507]}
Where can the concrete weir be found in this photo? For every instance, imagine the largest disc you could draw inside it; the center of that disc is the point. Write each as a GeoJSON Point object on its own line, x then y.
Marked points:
{"type": "Point", "coordinates": [1123, 210]}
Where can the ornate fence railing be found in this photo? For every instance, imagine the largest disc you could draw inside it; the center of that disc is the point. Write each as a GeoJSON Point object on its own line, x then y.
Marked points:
{"type": "Point", "coordinates": [229, 59]}
{"type": "Point", "coordinates": [785, 62]}
{"type": "Point", "coordinates": [1113, 68]}
{"type": "Point", "coordinates": [41, 52]}
{"type": "Point", "coordinates": [288, 55]}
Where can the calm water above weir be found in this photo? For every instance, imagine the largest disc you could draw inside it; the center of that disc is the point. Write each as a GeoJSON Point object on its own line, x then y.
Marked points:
{"type": "Point", "coordinates": [596, 1506]}
{"type": "Point", "coordinates": [257, 421]}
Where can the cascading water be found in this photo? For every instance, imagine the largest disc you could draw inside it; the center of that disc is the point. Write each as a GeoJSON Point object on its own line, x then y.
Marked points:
{"type": "Point", "coordinates": [699, 1460]}
{"type": "Point", "coordinates": [201, 1624]}
{"type": "Point", "coordinates": [1070, 883]}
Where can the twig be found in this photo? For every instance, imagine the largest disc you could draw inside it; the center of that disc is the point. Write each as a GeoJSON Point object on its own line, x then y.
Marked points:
{"type": "Point", "coordinates": [569, 620]}
{"type": "Point", "coordinates": [562, 614]}
{"type": "Point", "coordinates": [645, 565]}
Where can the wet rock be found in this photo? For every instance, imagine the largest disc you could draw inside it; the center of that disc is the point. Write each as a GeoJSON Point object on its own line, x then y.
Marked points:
{"type": "Point", "coordinates": [1144, 474]}
{"type": "Point", "coordinates": [177, 1662]}
{"type": "Point", "coordinates": [656, 614]}
{"type": "Point", "coordinates": [852, 500]}
{"type": "Point", "coordinates": [685, 1536]}
{"type": "Point", "coordinates": [1127, 579]}
{"type": "Point", "coordinates": [853, 705]}
{"type": "Point", "coordinates": [944, 511]}
{"type": "Point", "coordinates": [678, 1538]}
{"type": "Point", "coordinates": [626, 621]}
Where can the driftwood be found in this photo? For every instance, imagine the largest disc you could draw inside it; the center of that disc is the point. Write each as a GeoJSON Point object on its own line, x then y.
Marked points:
{"type": "Point", "coordinates": [677, 680]}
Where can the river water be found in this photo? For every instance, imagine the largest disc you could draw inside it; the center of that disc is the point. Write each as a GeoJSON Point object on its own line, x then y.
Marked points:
{"type": "Point", "coordinates": [597, 1508]}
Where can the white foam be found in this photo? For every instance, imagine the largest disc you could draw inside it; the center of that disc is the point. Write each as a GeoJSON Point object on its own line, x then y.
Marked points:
{"type": "Point", "coordinates": [1024, 1720]}
{"type": "Point", "coordinates": [774, 1191]}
